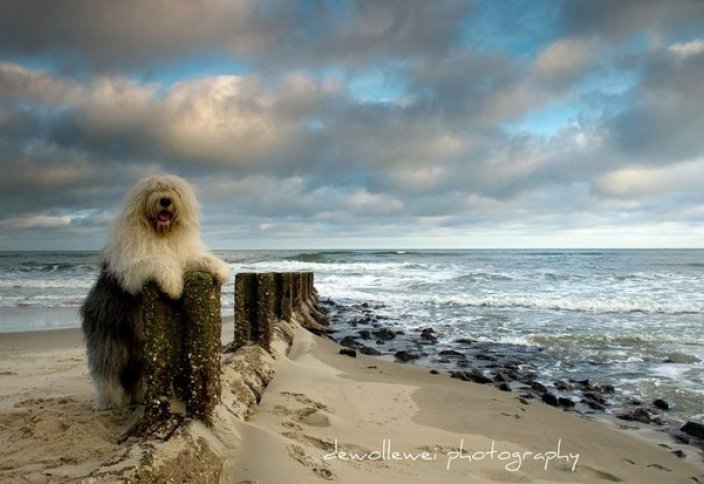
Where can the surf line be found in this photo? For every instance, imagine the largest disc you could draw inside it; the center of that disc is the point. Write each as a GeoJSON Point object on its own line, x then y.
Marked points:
{"type": "Point", "coordinates": [385, 453]}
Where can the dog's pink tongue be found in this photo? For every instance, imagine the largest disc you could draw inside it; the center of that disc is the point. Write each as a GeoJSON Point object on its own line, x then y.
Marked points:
{"type": "Point", "coordinates": [164, 216]}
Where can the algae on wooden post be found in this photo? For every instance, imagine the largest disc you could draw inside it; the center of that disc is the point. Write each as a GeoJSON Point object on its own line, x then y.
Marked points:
{"type": "Point", "coordinates": [287, 296]}
{"type": "Point", "coordinates": [202, 324]}
{"type": "Point", "coordinates": [262, 328]}
{"type": "Point", "coordinates": [162, 331]}
{"type": "Point", "coordinates": [297, 291]}
{"type": "Point", "coordinates": [245, 309]}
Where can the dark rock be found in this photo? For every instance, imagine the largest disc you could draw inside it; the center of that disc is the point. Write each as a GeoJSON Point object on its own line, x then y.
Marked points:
{"type": "Point", "coordinates": [523, 400]}
{"type": "Point", "coordinates": [565, 402]}
{"type": "Point", "coordinates": [634, 401]}
{"type": "Point", "coordinates": [434, 372]}
{"type": "Point", "coordinates": [384, 334]}
{"type": "Point", "coordinates": [465, 341]}
{"type": "Point", "coordinates": [504, 387]}
{"type": "Point", "coordinates": [348, 352]}
{"type": "Point", "coordinates": [679, 453]}
{"type": "Point", "coordinates": [429, 337]}
{"type": "Point", "coordinates": [695, 429]}
{"type": "Point", "coordinates": [527, 396]}
{"type": "Point", "coordinates": [460, 375]}
{"type": "Point", "coordinates": [366, 350]}
{"type": "Point", "coordinates": [478, 377]}
{"type": "Point", "coordinates": [349, 341]}
{"type": "Point", "coordinates": [484, 357]}
{"type": "Point", "coordinates": [406, 356]}
{"type": "Point", "coordinates": [550, 399]}
{"type": "Point", "coordinates": [427, 330]}
{"type": "Point", "coordinates": [562, 385]}
{"type": "Point", "coordinates": [661, 404]}
{"type": "Point", "coordinates": [500, 378]}
{"type": "Point", "coordinates": [462, 364]}
{"type": "Point", "coordinates": [400, 333]}
{"type": "Point", "coordinates": [538, 387]}
{"type": "Point", "coordinates": [365, 334]}
{"type": "Point", "coordinates": [680, 436]}
{"type": "Point", "coordinates": [606, 388]}
{"type": "Point", "coordinates": [584, 383]}
{"type": "Point", "coordinates": [637, 415]}
{"type": "Point", "coordinates": [594, 405]}
{"type": "Point", "coordinates": [451, 354]}
{"type": "Point", "coordinates": [365, 305]}
{"type": "Point", "coordinates": [594, 396]}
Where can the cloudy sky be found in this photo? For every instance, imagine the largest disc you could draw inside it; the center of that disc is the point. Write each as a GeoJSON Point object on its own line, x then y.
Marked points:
{"type": "Point", "coordinates": [349, 124]}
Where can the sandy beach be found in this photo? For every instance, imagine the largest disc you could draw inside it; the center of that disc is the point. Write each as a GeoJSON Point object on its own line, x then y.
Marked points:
{"type": "Point", "coordinates": [325, 416]}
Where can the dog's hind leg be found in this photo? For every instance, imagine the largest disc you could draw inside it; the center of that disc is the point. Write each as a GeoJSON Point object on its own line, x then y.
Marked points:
{"type": "Point", "coordinates": [110, 394]}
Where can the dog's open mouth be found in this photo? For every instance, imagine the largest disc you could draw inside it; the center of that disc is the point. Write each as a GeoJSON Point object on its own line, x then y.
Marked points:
{"type": "Point", "coordinates": [164, 216]}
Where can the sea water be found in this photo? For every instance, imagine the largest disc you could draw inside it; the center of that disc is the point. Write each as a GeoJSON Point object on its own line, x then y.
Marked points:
{"type": "Point", "coordinates": [634, 318]}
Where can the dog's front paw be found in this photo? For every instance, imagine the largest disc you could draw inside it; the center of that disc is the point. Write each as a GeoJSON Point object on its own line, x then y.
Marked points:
{"type": "Point", "coordinates": [220, 271]}
{"type": "Point", "coordinates": [171, 284]}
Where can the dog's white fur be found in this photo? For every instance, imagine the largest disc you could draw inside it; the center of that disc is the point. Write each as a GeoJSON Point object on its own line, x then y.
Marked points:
{"type": "Point", "coordinates": [140, 248]}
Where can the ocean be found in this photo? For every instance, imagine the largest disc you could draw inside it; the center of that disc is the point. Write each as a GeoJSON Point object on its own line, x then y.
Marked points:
{"type": "Point", "coordinates": [631, 318]}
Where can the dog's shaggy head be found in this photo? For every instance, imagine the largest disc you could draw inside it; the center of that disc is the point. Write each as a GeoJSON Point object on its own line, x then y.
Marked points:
{"type": "Point", "coordinates": [163, 205]}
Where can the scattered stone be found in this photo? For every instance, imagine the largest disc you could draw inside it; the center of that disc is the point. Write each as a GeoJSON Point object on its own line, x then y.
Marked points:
{"type": "Point", "coordinates": [695, 429]}
{"type": "Point", "coordinates": [527, 396]}
{"type": "Point", "coordinates": [661, 404]}
{"type": "Point", "coordinates": [406, 356]}
{"type": "Point", "coordinates": [366, 350]}
{"type": "Point", "coordinates": [484, 357]}
{"type": "Point", "coordinates": [584, 383]}
{"type": "Point", "coordinates": [523, 401]}
{"type": "Point", "coordinates": [384, 334]}
{"type": "Point", "coordinates": [400, 333]}
{"type": "Point", "coordinates": [434, 372]}
{"type": "Point", "coordinates": [595, 397]}
{"type": "Point", "coordinates": [679, 453]}
{"type": "Point", "coordinates": [637, 415]}
{"type": "Point", "coordinates": [594, 405]}
{"type": "Point", "coordinates": [465, 341]}
{"type": "Point", "coordinates": [478, 377]}
{"type": "Point", "coordinates": [550, 399]}
{"type": "Point", "coordinates": [429, 337]}
{"type": "Point", "coordinates": [348, 352]}
{"type": "Point", "coordinates": [365, 334]}
{"type": "Point", "coordinates": [606, 388]}
{"type": "Point", "coordinates": [562, 385]}
{"type": "Point", "coordinates": [349, 342]}
{"type": "Point", "coordinates": [565, 402]}
{"type": "Point", "coordinates": [538, 387]}
{"type": "Point", "coordinates": [504, 387]}
{"type": "Point", "coordinates": [451, 354]}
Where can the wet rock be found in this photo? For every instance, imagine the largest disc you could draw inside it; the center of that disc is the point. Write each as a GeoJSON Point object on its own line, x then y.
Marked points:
{"type": "Point", "coordinates": [595, 397]}
{"type": "Point", "coordinates": [384, 334]}
{"type": "Point", "coordinates": [366, 350]}
{"type": "Point", "coordinates": [565, 402]}
{"type": "Point", "coordinates": [483, 357]}
{"type": "Point", "coordinates": [550, 399]}
{"type": "Point", "coordinates": [661, 404]}
{"type": "Point", "coordinates": [637, 415]}
{"type": "Point", "coordinates": [585, 384]}
{"type": "Point", "coordinates": [523, 400]}
{"type": "Point", "coordinates": [365, 334]}
{"type": "Point", "coordinates": [400, 333]}
{"type": "Point", "coordinates": [348, 352]}
{"type": "Point", "coordinates": [428, 335]}
{"type": "Point", "coordinates": [465, 341]}
{"type": "Point", "coordinates": [679, 453]}
{"type": "Point", "coordinates": [451, 354]}
{"type": "Point", "coordinates": [504, 387]}
{"type": "Point", "coordinates": [349, 342]}
{"type": "Point", "coordinates": [365, 305]}
{"type": "Point", "coordinates": [538, 387]}
{"type": "Point", "coordinates": [606, 388]}
{"type": "Point", "coordinates": [434, 372]}
{"type": "Point", "coordinates": [405, 356]}
{"type": "Point", "coordinates": [478, 377]}
{"type": "Point", "coordinates": [594, 405]}
{"type": "Point", "coordinates": [695, 429]}
{"type": "Point", "coordinates": [562, 385]}
{"type": "Point", "coordinates": [634, 401]}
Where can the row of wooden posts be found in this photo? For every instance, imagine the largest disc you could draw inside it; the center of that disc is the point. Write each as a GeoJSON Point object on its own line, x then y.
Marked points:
{"type": "Point", "coordinates": [183, 337]}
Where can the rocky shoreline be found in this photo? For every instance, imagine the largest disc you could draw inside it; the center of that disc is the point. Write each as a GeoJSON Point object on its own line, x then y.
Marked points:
{"type": "Point", "coordinates": [509, 367]}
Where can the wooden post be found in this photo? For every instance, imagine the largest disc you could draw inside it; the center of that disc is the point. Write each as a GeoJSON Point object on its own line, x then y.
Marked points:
{"type": "Point", "coordinates": [202, 327]}
{"type": "Point", "coordinates": [245, 309]}
{"type": "Point", "coordinates": [263, 323]}
{"type": "Point", "coordinates": [287, 296]}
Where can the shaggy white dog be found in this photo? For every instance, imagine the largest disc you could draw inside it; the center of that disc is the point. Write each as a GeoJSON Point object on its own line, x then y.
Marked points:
{"type": "Point", "coordinates": [155, 237]}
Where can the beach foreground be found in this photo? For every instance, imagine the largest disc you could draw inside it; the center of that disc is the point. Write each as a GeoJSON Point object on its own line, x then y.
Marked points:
{"type": "Point", "coordinates": [325, 416]}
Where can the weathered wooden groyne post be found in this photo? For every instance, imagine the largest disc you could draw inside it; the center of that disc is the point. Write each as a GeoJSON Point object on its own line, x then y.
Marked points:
{"type": "Point", "coordinates": [182, 349]}
{"type": "Point", "coordinates": [263, 298]}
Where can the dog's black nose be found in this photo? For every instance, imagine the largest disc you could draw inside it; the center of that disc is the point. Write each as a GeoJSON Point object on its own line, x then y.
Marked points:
{"type": "Point", "coordinates": [165, 202]}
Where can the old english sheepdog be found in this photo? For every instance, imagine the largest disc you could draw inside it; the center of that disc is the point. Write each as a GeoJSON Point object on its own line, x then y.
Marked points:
{"type": "Point", "coordinates": [156, 237]}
